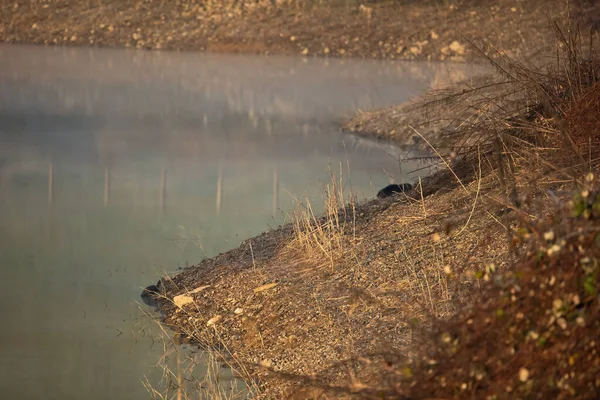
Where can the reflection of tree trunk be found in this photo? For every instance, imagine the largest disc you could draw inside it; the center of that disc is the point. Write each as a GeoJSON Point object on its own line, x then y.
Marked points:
{"type": "Point", "coordinates": [275, 191]}
{"type": "Point", "coordinates": [50, 182]}
{"type": "Point", "coordinates": [106, 187]}
{"type": "Point", "coordinates": [219, 190]}
{"type": "Point", "coordinates": [163, 190]}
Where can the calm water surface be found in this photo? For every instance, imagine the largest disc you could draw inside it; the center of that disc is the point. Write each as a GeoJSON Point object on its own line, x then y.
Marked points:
{"type": "Point", "coordinates": [119, 166]}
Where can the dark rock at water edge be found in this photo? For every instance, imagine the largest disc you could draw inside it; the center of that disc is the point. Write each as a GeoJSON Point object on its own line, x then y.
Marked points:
{"type": "Point", "coordinates": [150, 293]}
{"type": "Point", "coordinates": [393, 189]}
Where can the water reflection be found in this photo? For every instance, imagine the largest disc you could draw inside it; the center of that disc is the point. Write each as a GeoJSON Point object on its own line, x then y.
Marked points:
{"type": "Point", "coordinates": [119, 166]}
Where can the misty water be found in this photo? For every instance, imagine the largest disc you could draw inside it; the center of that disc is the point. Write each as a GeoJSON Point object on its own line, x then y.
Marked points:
{"type": "Point", "coordinates": [119, 166]}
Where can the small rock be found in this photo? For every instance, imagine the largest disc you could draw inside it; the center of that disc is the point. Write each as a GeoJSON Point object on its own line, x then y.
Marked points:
{"type": "Point", "coordinates": [293, 38]}
{"type": "Point", "coordinates": [73, 38]}
{"type": "Point", "coordinates": [182, 300]}
{"type": "Point", "coordinates": [265, 287]}
{"type": "Point", "coordinates": [238, 311]}
{"type": "Point", "coordinates": [523, 374]}
{"type": "Point", "coordinates": [414, 50]}
{"type": "Point", "coordinates": [305, 52]}
{"type": "Point", "coordinates": [200, 288]}
{"type": "Point", "coordinates": [434, 36]}
{"type": "Point", "coordinates": [213, 320]}
{"type": "Point", "coordinates": [457, 48]}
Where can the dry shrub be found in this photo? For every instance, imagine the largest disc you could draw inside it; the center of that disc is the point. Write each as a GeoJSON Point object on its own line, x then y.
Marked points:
{"type": "Point", "coordinates": [525, 116]}
{"type": "Point", "coordinates": [534, 332]}
{"type": "Point", "coordinates": [583, 120]}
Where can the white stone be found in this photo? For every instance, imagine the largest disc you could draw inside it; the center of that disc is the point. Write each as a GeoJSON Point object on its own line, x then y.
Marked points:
{"type": "Point", "coordinates": [182, 300]}
{"type": "Point", "coordinates": [457, 48]}
{"type": "Point", "coordinates": [213, 320]}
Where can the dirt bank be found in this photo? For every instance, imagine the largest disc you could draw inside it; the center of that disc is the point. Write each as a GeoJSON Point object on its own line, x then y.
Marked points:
{"type": "Point", "coordinates": [405, 30]}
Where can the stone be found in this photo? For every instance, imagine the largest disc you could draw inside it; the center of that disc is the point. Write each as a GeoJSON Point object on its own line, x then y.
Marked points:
{"type": "Point", "coordinates": [457, 48]}
{"type": "Point", "coordinates": [265, 287]}
{"type": "Point", "coordinates": [199, 289]}
{"type": "Point", "coordinates": [394, 189]}
{"type": "Point", "coordinates": [414, 50]}
{"type": "Point", "coordinates": [213, 320]}
{"type": "Point", "coordinates": [182, 300]}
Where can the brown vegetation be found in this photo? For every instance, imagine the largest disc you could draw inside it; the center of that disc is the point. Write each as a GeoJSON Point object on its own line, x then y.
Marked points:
{"type": "Point", "coordinates": [533, 331]}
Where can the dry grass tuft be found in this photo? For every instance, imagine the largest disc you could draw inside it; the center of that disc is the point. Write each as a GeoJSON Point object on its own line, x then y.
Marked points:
{"type": "Point", "coordinates": [322, 239]}
{"type": "Point", "coordinates": [583, 124]}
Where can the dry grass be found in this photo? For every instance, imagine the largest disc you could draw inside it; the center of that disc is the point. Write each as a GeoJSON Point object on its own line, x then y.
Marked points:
{"type": "Point", "coordinates": [321, 238]}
